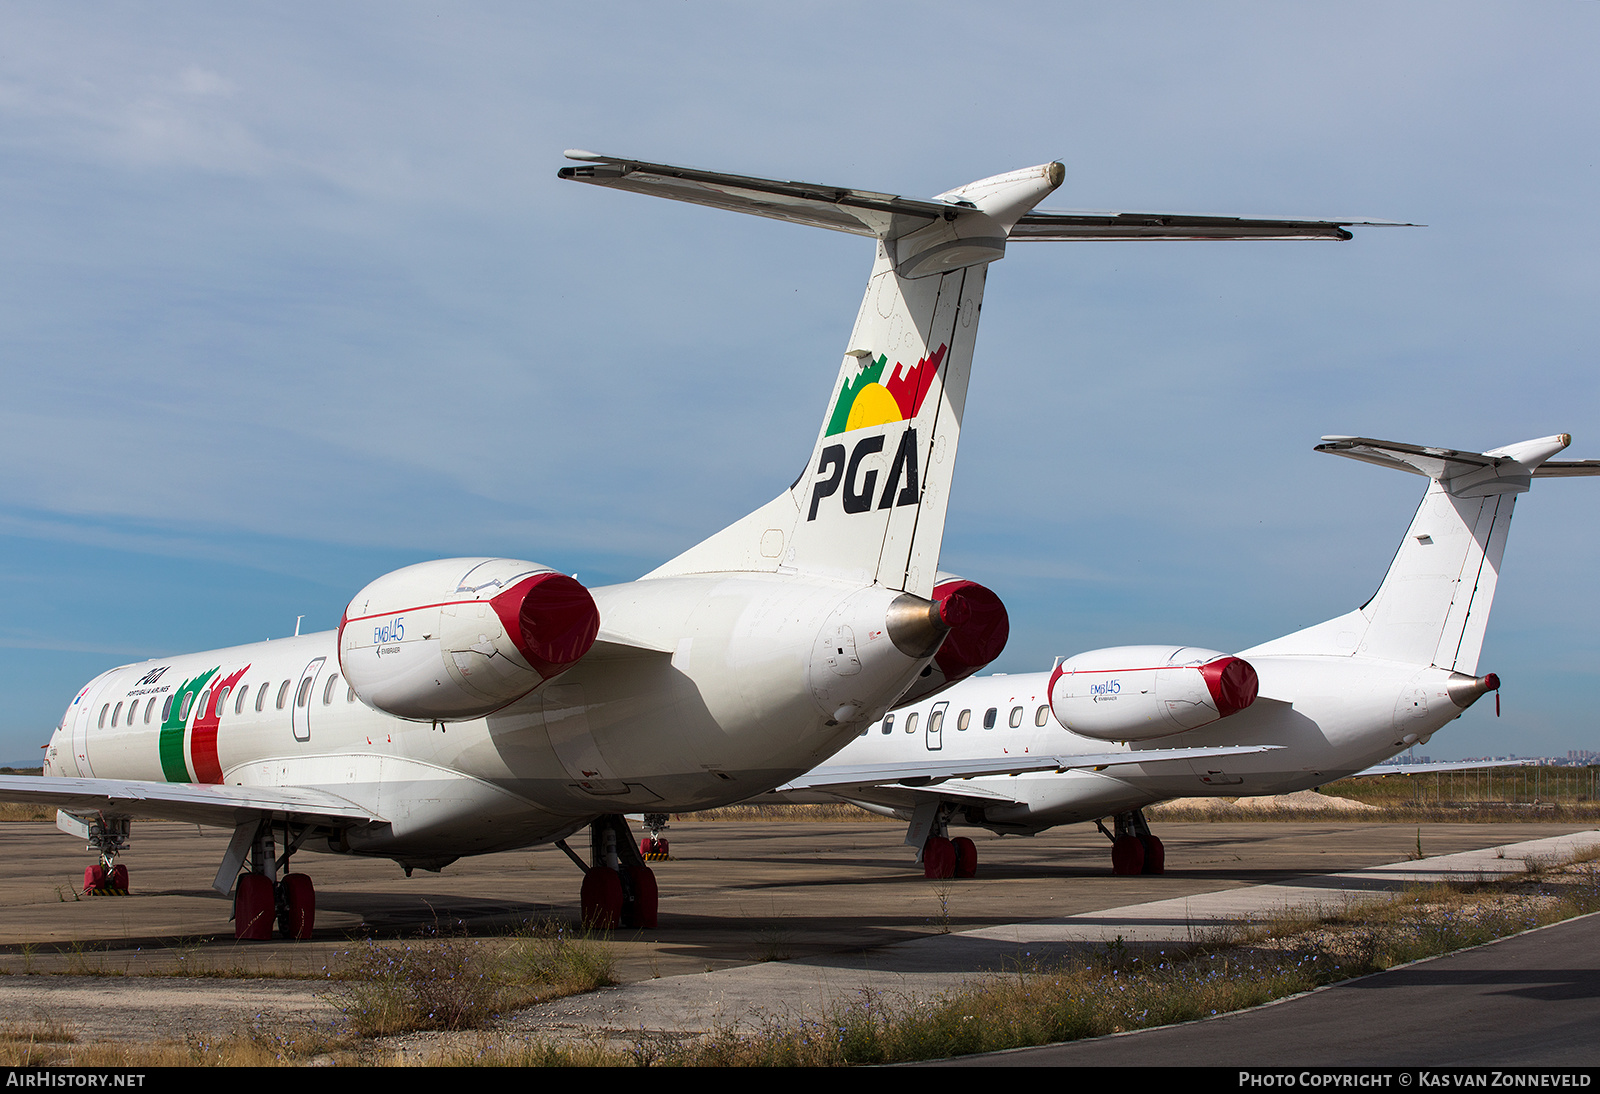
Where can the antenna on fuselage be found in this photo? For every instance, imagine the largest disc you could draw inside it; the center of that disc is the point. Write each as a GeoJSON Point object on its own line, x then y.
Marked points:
{"type": "Point", "coordinates": [297, 620]}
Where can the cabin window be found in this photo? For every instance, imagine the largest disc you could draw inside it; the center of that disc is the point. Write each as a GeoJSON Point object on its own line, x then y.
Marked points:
{"type": "Point", "coordinates": [911, 722]}
{"type": "Point", "coordinates": [261, 697]}
{"type": "Point", "coordinates": [133, 710]}
{"type": "Point", "coordinates": [1016, 717]}
{"type": "Point", "coordinates": [204, 695]}
{"type": "Point", "coordinates": [888, 723]}
{"type": "Point", "coordinates": [935, 721]}
{"type": "Point", "coordinates": [350, 695]}
{"type": "Point", "coordinates": [283, 694]}
{"type": "Point", "coordinates": [115, 714]}
{"type": "Point", "coordinates": [1041, 715]}
{"type": "Point", "coordinates": [303, 694]}
{"type": "Point", "coordinates": [222, 698]}
{"type": "Point", "coordinates": [238, 701]}
{"type": "Point", "coordinates": [188, 701]}
{"type": "Point", "coordinates": [149, 709]}
{"type": "Point", "coordinates": [327, 692]}
{"type": "Point", "coordinates": [988, 718]}
{"type": "Point", "coordinates": [103, 711]}
{"type": "Point", "coordinates": [166, 708]}
{"type": "Point", "coordinates": [963, 720]}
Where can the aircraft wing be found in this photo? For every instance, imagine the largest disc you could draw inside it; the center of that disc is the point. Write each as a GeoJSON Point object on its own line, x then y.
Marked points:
{"type": "Point", "coordinates": [1433, 768]}
{"type": "Point", "coordinates": [921, 773]}
{"type": "Point", "coordinates": [197, 803]}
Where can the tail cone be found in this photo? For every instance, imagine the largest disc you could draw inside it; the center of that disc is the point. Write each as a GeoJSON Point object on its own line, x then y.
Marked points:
{"type": "Point", "coordinates": [1466, 690]}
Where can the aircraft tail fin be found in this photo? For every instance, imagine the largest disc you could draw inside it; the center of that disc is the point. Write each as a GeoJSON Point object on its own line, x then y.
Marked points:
{"type": "Point", "coordinates": [870, 505]}
{"type": "Point", "coordinates": [1433, 605]}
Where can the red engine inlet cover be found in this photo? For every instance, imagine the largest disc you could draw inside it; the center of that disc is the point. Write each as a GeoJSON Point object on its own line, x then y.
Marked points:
{"type": "Point", "coordinates": [1232, 682]}
{"type": "Point", "coordinates": [551, 619]}
{"type": "Point", "coordinates": [979, 627]}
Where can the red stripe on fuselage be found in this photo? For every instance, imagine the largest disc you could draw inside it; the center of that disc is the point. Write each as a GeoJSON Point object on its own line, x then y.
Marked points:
{"type": "Point", "coordinates": [203, 738]}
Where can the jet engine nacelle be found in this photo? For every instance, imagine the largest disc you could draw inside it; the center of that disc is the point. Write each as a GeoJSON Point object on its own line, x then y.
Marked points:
{"type": "Point", "coordinates": [461, 637]}
{"type": "Point", "coordinates": [1135, 693]}
{"type": "Point", "coordinates": [979, 627]}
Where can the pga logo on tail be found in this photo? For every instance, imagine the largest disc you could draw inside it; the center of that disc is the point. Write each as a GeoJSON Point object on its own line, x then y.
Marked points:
{"type": "Point", "coordinates": [864, 402]}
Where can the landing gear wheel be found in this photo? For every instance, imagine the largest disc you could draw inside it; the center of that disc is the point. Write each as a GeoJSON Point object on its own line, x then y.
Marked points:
{"type": "Point", "coordinates": [662, 846]}
{"type": "Point", "coordinates": [299, 911]}
{"type": "Point", "coordinates": [966, 856]}
{"type": "Point", "coordinates": [938, 858]}
{"type": "Point", "coordinates": [1127, 855]}
{"type": "Point", "coordinates": [647, 847]}
{"type": "Point", "coordinates": [94, 877]}
{"type": "Point", "coordinates": [641, 911]}
{"type": "Point", "coordinates": [601, 899]}
{"type": "Point", "coordinates": [253, 908]}
{"type": "Point", "coordinates": [1155, 855]}
{"type": "Point", "coordinates": [119, 878]}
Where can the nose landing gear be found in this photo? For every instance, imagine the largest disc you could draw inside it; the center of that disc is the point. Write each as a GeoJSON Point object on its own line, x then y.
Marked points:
{"type": "Point", "coordinates": [109, 837]}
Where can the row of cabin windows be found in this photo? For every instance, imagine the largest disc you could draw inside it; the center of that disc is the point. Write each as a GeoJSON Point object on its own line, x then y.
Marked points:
{"type": "Point", "coordinates": [964, 719]}
{"type": "Point", "coordinates": [302, 699]}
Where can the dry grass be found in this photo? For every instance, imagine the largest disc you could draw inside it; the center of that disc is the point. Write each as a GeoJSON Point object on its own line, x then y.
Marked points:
{"type": "Point", "coordinates": [834, 811]}
{"type": "Point", "coordinates": [248, 1048]}
{"type": "Point", "coordinates": [22, 811]}
{"type": "Point", "coordinates": [458, 983]}
{"type": "Point", "coordinates": [1247, 810]}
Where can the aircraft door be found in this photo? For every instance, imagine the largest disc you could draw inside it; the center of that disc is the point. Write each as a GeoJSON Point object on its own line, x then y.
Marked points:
{"type": "Point", "coordinates": [82, 721]}
{"type": "Point", "coordinates": [934, 736]}
{"type": "Point", "coordinates": [302, 699]}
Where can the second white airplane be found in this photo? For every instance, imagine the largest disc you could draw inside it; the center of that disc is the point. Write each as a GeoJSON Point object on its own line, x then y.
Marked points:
{"type": "Point", "coordinates": [1092, 738]}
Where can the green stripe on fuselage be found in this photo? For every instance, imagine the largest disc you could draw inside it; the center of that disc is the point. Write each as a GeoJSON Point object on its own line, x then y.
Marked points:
{"type": "Point", "coordinates": [173, 767]}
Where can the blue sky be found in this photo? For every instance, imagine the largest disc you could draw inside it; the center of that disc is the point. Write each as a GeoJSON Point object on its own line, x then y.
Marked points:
{"type": "Point", "coordinates": [291, 296]}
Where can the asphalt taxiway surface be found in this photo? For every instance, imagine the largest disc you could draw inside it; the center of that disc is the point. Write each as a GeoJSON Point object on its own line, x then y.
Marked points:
{"type": "Point", "coordinates": [1532, 1001]}
{"type": "Point", "coordinates": [758, 920]}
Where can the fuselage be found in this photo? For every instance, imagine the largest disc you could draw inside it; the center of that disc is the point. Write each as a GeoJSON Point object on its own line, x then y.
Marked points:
{"type": "Point", "coordinates": [702, 691]}
{"type": "Point", "coordinates": [1330, 717]}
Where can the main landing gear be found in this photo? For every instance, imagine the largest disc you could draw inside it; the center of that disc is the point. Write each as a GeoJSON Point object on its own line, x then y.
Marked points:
{"type": "Point", "coordinates": [109, 837]}
{"type": "Point", "coordinates": [259, 898]}
{"type": "Point", "coordinates": [944, 857]}
{"type": "Point", "coordinates": [619, 890]}
{"type": "Point", "coordinates": [1133, 849]}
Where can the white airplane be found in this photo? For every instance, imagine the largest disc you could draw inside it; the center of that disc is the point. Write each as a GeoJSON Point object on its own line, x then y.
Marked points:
{"type": "Point", "coordinates": [466, 706]}
{"type": "Point", "coordinates": [1093, 737]}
